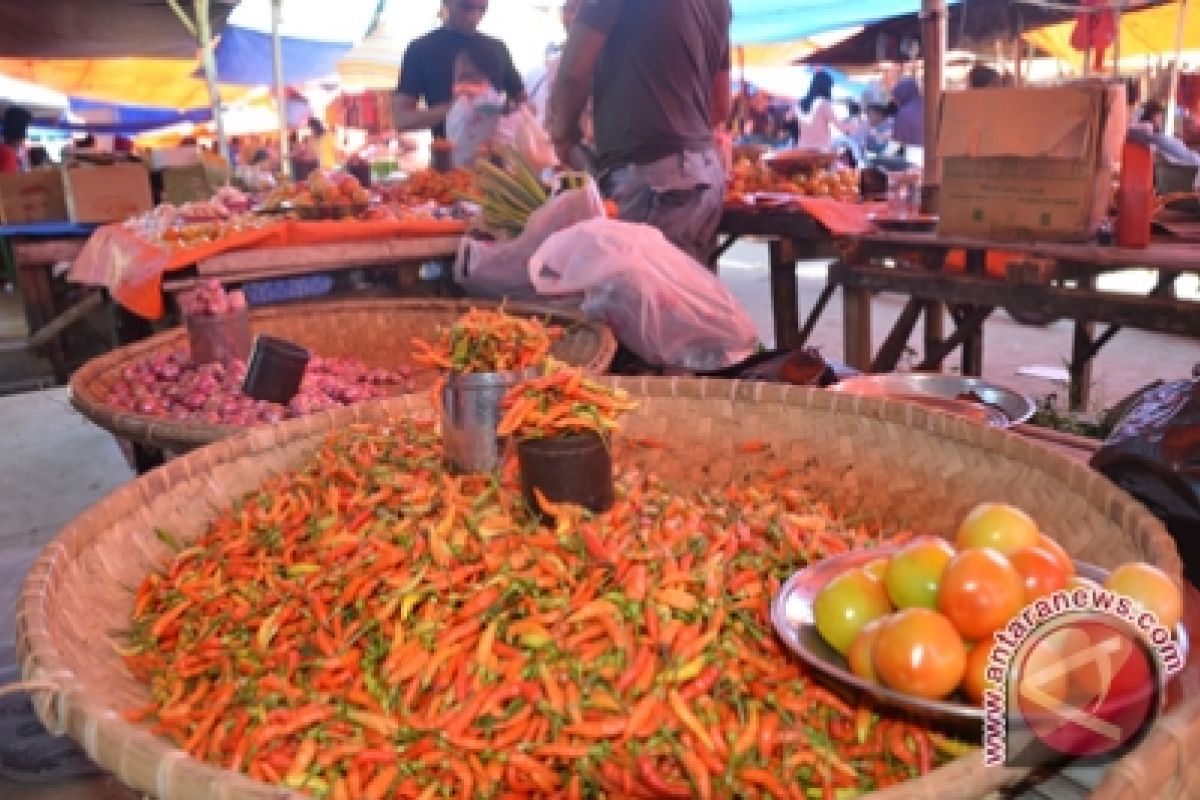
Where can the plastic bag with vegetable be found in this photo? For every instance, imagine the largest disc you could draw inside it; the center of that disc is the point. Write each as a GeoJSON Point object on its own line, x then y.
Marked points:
{"type": "Point", "coordinates": [501, 269]}
{"type": "Point", "coordinates": [659, 301]}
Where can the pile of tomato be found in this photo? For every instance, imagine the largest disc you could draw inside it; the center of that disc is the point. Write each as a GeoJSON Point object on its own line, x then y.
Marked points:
{"type": "Point", "coordinates": [922, 620]}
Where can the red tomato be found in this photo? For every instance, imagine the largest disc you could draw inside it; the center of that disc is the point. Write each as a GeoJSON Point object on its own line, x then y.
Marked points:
{"type": "Point", "coordinates": [975, 676]}
{"type": "Point", "coordinates": [913, 573]}
{"type": "Point", "coordinates": [918, 652]}
{"type": "Point", "coordinates": [846, 604]}
{"type": "Point", "coordinates": [1041, 572]}
{"type": "Point", "coordinates": [859, 655]}
{"type": "Point", "coordinates": [998, 526]}
{"type": "Point", "coordinates": [980, 592]}
{"type": "Point", "coordinates": [1055, 549]}
{"type": "Point", "coordinates": [1149, 586]}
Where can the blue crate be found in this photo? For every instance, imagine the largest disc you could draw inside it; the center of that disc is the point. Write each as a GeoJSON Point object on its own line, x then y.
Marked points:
{"type": "Point", "coordinates": [281, 290]}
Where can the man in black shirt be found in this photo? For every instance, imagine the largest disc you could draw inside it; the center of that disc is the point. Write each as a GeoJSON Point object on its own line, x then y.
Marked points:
{"type": "Point", "coordinates": [427, 71]}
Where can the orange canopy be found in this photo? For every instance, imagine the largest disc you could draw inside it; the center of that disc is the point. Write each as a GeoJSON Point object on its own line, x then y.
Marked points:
{"type": "Point", "coordinates": [162, 82]}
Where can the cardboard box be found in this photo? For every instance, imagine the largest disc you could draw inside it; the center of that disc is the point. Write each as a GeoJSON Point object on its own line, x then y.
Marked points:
{"type": "Point", "coordinates": [107, 194]}
{"type": "Point", "coordinates": [1029, 164]}
{"type": "Point", "coordinates": [197, 182]}
{"type": "Point", "coordinates": [32, 197]}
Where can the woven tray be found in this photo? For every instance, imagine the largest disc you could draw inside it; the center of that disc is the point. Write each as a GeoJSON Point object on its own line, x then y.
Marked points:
{"type": "Point", "coordinates": [898, 462]}
{"type": "Point", "coordinates": [375, 331]}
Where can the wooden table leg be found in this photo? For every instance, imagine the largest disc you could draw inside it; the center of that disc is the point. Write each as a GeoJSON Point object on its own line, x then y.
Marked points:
{"type": "Point", "coordinates": [37, 294]}
{"type": "Point", "coordinates": [1082, 352]}
{"type": "Point", "coordinates": [785, 302]}
{"type": "Point", "coordinates": [856, 327]}
{"type": "Point", "coordinates": [972, 345]}
{"type": "Point", "coordinates": [893, 347]}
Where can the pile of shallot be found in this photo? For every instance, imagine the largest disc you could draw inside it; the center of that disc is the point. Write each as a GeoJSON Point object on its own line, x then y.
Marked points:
{"type": "Point", "coordinates": [209, 298]}
{"type": "Point", "coordinates": [170, 385]}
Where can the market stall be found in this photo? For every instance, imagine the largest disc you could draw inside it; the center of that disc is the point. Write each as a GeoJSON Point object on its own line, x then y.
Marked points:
{"type": "Point", "coordinates": [876, 456]}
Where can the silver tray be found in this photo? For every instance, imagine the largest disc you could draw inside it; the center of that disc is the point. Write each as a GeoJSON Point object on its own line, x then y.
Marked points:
{"type": "Point", "coordinates": [1013, 406]}
{"type": "Point", "coordinates": [792, 618]}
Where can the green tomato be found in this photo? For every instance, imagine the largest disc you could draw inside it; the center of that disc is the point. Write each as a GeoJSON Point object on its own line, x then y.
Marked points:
{"type": "Point", "coordinates": [846, 604]}
{"type": "Point", "coordinates": [914, 573]}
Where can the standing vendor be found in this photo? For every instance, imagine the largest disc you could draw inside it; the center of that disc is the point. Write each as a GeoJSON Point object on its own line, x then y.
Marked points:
{"type": "Point", "coordinates": [15, 128]}
{"type": "Point", "coordinates": [427, 71]}
{"type": "Point", "coordinates": [658, 75]}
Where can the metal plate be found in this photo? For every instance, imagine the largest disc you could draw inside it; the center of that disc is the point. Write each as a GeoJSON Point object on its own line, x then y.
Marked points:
{"type": "Point", "coordinates": [1016, 407]}
{"type": "Point", "coordinates": [792, 618]}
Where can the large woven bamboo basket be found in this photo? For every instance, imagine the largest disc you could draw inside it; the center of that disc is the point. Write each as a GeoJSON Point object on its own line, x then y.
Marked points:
{"type": "Point", "coordinates": [900, 463]}
{"type": "Point", "coordinates": [375, 331]}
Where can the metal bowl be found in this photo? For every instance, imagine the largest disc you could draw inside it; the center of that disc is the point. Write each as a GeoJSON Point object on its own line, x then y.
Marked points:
{"type": "Point", "coordinates": [1015, 407]}
{"type": "Point", "coordinates": [793, 619]}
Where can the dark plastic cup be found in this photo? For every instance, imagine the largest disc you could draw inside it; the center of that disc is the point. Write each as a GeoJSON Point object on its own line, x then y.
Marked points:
{"type": "Point", "coordinates": [572, 469]}
{"type": "Point", "coordinates": [276, 369]}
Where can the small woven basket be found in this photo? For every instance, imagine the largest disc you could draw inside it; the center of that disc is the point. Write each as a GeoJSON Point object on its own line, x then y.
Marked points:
{"type": "Point", "coordinates": [376, 331]}
{"type": "Point", "coordinates": [900, 463]}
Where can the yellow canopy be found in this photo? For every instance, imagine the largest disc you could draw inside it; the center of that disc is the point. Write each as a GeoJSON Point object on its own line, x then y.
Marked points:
{"type": "Point", "coordinates": [1150, 31]}
{"type": "Point", "coordinates": [163, 82]}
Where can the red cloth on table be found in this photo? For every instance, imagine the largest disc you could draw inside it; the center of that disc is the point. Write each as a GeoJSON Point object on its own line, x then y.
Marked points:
{"type": "Point", "coordinates": [132, 268]}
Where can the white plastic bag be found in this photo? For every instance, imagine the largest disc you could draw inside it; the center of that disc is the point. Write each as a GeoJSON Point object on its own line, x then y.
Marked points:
{"type": "Point", "coordinates": [501, 269]}
{"type": "Point", "coordinates": [522, 131]}
{"type": "Point", "coordinates": [659, 301]}
{"type": "Point", "coordinates": [471, 124]}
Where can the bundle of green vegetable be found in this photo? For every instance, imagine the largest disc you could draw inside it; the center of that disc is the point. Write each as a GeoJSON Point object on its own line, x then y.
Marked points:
{"type": "Point", "coordinates": [509, 192]}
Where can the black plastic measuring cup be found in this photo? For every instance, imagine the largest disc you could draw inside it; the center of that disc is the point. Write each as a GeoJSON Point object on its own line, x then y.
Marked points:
{"type": "Point", "coordinates": [276, 369]}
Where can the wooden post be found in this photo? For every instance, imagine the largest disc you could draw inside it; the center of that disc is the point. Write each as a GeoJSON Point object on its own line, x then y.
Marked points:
{"type": "Point", "coordinates": [933, 36]}
{"type": "Point", "coordinates": [204, 30]}
{"type": "Point", "coordinates": [201, 29]}
{"type": "Point", "coordinates": [285, 163]}
{"type": "Point", "coordinates": [1173, 86]}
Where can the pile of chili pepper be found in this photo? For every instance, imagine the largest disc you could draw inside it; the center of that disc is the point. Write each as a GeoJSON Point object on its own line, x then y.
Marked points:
{"type": "Point", "coordinates": [488, 340]}
{"type": "Point", "coordinates": [371, 626]}
{"type": "Point", "coordinates": [562, 402]}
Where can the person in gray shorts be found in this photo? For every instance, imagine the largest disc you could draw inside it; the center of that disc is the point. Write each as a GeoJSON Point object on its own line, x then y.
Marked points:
{"type": "Point", "coordinates": [658, 75]}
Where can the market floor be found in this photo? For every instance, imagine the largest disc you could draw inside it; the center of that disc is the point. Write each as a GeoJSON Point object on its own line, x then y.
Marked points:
{"type": "Point", "coordinates": [54, 463]}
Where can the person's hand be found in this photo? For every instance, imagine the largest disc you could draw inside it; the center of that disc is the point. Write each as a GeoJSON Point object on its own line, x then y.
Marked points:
{"type": "Point", "coordinates": [564, 149]}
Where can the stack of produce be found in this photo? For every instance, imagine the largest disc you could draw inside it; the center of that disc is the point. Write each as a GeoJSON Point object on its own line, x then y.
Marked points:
{"type": "Point", "coordinates": [750, 177]}
{"type": "Point", "coordinates": [321, 190]}
{"type": "Point", "coordinates": [430, 186]}
{"type": "Point", "coordinates": [369, 625]}
{"type": "Point", "coordinates": [169, 385]}
{"type": "Point", "coordinates": [209, 299]}
{"type": "Point", "coordinates": [483, 340]}
{"type": "Point", "coordinates": [562, 402]}
{"type": "Point", "coordinates": [509, 191]}
{"type": "Point", "coordinates": [921, 621]}
{"type": "Point", "coordinates": [182, 227]}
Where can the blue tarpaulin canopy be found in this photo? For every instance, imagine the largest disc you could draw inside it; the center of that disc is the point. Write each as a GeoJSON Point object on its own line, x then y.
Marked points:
{"type": "Point", "coordinates": [768, 21]}
{"type": "Point", "coordinates": [127, 120]}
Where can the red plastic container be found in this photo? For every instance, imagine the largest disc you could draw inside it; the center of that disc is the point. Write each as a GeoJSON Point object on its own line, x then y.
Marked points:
{"type": "Point", "coordinates": [1135, 195]}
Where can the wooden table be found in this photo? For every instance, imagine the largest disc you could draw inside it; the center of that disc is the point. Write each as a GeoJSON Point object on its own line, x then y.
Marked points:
{"type": "Point", "coordinates": [794, 236]}
{"type": "Point", "coordinates": [37, 248]}
{"type": "Point", "coordinates": [280, 262]}
{"type": "Point", "coordinates": [1052, 280]}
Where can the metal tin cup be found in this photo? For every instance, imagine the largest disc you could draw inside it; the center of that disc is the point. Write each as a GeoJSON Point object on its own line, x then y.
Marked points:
{"type": "Point", "coordinates": [276, 369]}
{"type": "Point", "coordinates": [470, 416]}
{"type": "Point", "coordinates": [572, 469]}
{"type": "Point", "coordinates": [218, 337]}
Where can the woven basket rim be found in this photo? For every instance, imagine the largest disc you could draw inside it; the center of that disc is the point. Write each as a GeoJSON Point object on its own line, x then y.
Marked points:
{"type": "Point", "coordinates": [181, 436]}
{"type": "Point", "coordinates": [42, 658]}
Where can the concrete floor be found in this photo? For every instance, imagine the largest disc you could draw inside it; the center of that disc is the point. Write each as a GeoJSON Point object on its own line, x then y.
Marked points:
{"type": "Point", "coordinates": [54, 463]}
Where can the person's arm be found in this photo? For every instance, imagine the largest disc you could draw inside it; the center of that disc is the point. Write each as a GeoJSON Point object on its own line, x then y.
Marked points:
{"type": "Point", "coordinates": [514, 87]}
{"type": "Point", "coordinates": [408, 117]}
{"type": "Point", "coordinates": [573, 82]}
{"type": "Point", "coordinates": [722, 99]}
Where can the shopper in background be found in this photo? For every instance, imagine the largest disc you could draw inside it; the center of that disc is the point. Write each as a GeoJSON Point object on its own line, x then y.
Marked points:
{"type": "Point", "coordinates": [658, 76]}
{"type": "Point", "coordinates": [818, 120]}
{"type": "Point", "coordinates": [908, 128]}
{"type": "Point", "coordinates": [981, 76]}
{"type": "Point", "coordinates": [540, 81]}
{"type": "Point", "coordinates": [15, 126]}
{"type": "Point", "coordinates": [427, 70]}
